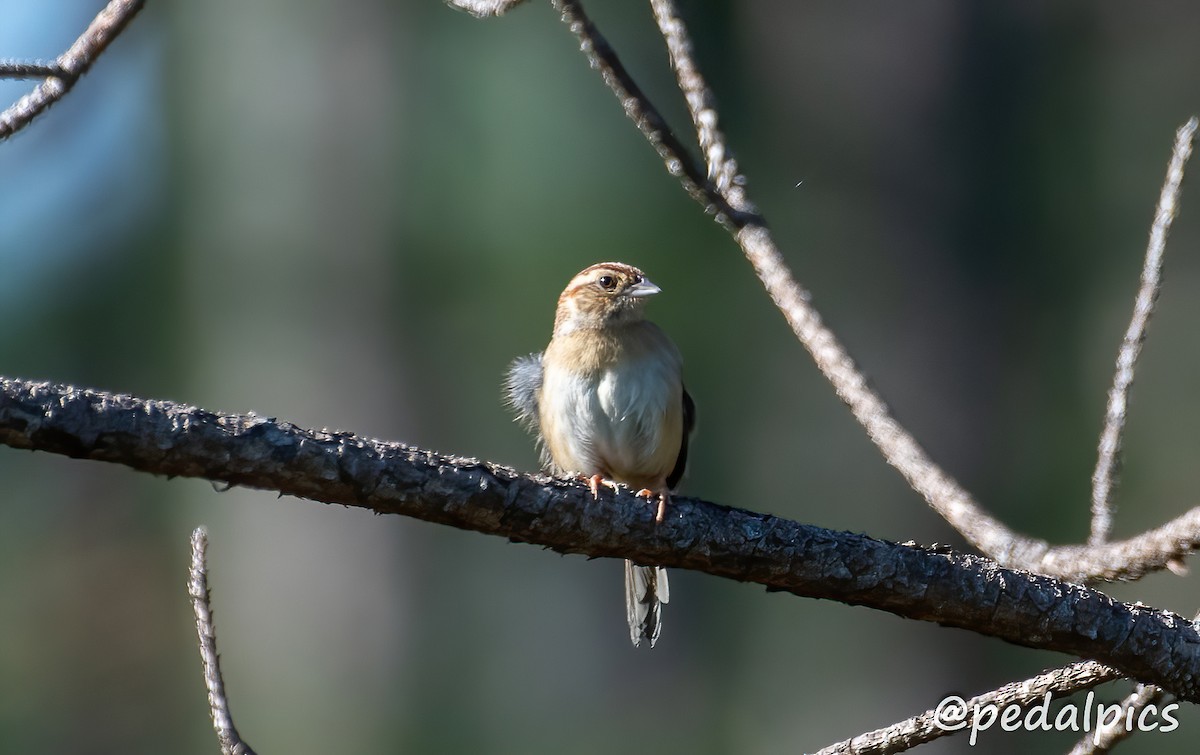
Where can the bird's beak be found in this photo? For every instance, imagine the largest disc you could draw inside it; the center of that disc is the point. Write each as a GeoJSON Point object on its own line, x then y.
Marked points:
{"type": "Point", "coordinates": [644, 288]}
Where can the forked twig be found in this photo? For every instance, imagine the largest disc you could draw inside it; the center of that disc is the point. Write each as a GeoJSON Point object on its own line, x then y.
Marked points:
{"type": "Point", "coordinates": [70, 66]}
{"type": "Point", "coordinates": [218, 703]}
{"type": "Point", "coordinates": [648, 120]}
{"type": "Point", "coordinates": [1104, 479]}
{"type": "Point", "coordinates": [722, 168]}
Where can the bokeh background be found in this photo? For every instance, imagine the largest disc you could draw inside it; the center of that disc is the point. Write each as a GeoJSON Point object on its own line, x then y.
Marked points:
{"type": "Point", "coordinates": [353, 215]}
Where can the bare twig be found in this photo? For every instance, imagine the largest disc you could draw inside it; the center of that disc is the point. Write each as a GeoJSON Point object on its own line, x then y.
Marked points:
{"type": "Point", "coordinates": [1105, 477]}
{"type": "Point", "coordinates": [29, 69]}
{"type": "Point", "coordinates": [70, 66]}
{"type": "Point", "coordinates": [938, 585]}
{"type": "Point", "coordinates": [227, 734]}
{"type": "Point", "coordinates": [954, 718]}
{"type": "Point", "coordinates": [646, 117]}
{"type": "Point", "coordinates": [722, 169]}
{"type": "Point", "coordinates": [1112, 734]}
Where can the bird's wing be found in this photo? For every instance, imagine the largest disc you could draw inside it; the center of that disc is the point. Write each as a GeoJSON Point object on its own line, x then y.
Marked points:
{"type": "Point", "coordinates": [521, 387]}
{"type": "Point", "coordinates": [689, 424]}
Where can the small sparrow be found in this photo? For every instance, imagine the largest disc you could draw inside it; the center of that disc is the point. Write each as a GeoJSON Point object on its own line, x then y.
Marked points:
{"type": "Point", "coordinates": [608, 403]}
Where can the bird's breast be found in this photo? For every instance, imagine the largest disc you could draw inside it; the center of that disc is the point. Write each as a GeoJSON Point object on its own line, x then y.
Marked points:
{"type": "Point", "coordinates": [622, 420]}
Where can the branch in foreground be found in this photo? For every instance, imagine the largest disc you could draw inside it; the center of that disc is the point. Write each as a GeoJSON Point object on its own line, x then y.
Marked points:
{"type": "Point", "coordinates": [1105, 477]}
{"type": "Point", "coordinates": [937, 585]}
{"type": "Point", "coordinates": [925, 728]}
{"type": "Point", "coordinates": [206, 631]}
{"type": "Point", "coordinates": [69, 67]}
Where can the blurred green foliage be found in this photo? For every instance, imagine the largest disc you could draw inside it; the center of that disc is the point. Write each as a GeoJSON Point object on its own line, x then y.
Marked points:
{"type": "Point", "coordinates": [353, 215]}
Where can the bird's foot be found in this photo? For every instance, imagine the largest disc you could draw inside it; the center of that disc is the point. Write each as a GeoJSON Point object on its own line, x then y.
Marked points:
{"type": "Point", "coordinates": [663, 499]}
{"type": "Point", "coordinates": [595, 481]}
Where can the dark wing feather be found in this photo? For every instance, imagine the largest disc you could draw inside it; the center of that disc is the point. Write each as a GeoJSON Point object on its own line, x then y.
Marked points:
{"type": "Point", "coordinates": [522, 384]}
{"type": "Point", "coordinates": [689, 424]}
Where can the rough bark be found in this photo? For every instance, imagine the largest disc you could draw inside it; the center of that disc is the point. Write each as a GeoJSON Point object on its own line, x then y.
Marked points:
{"type": "Point", "coordinates": [930, 584]}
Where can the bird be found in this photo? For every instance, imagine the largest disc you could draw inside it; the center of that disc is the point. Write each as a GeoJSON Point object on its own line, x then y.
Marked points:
{"type": "Point", "coordinates": [608, 404]}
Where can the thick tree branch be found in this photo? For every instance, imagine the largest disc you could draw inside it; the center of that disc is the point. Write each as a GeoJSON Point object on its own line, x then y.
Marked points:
{"type": "Point", "coordinates": [935, 585]}
{"type": "Point", "coordinates": [69, 67]}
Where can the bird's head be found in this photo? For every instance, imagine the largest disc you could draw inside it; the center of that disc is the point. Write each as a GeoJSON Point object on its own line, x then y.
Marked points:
{"type": "Point", "coordinates": [603, 295]}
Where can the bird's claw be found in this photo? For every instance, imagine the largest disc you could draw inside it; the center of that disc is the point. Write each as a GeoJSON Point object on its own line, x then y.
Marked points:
{"type": "Point", "coordinates": [595, 481]}
{"type": "Point", "coordinates": [663, 498]}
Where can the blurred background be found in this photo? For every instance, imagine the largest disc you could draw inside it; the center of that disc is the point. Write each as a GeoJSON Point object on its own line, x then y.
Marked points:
{"type": "Point", "coordinates": [354, 215]}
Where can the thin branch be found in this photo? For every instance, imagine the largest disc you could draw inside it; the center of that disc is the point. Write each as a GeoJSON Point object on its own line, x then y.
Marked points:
{"type": "Point", "coordinates": [1163, 547]}
{"type": "Point", "coordinates": [648, 120]}
{"type": "Point", "coordinates": [227, 734]}
{"type": "Point", "coordinates": [953, 718]}
{"type": "Point", "coordinates": [29, 69]}
{"type": "Point", "coordinates": [937, 585]}
{"type": "Point", "coordinates": [71, 65]}
{"type": "Point", "coordinates": [722, 168]}
{"type": "Point", "coordinates": [1105, 477]}
{"type": "Point", "coordinates": [1109, 736]}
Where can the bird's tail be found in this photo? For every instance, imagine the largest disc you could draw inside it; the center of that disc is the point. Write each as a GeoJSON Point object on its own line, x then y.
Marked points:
{"type": "Point", "coordinates": [646, 590]}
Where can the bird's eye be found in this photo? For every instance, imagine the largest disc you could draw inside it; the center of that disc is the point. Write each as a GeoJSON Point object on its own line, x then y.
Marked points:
{"type": "Point", "coordinates": [607, 282]}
